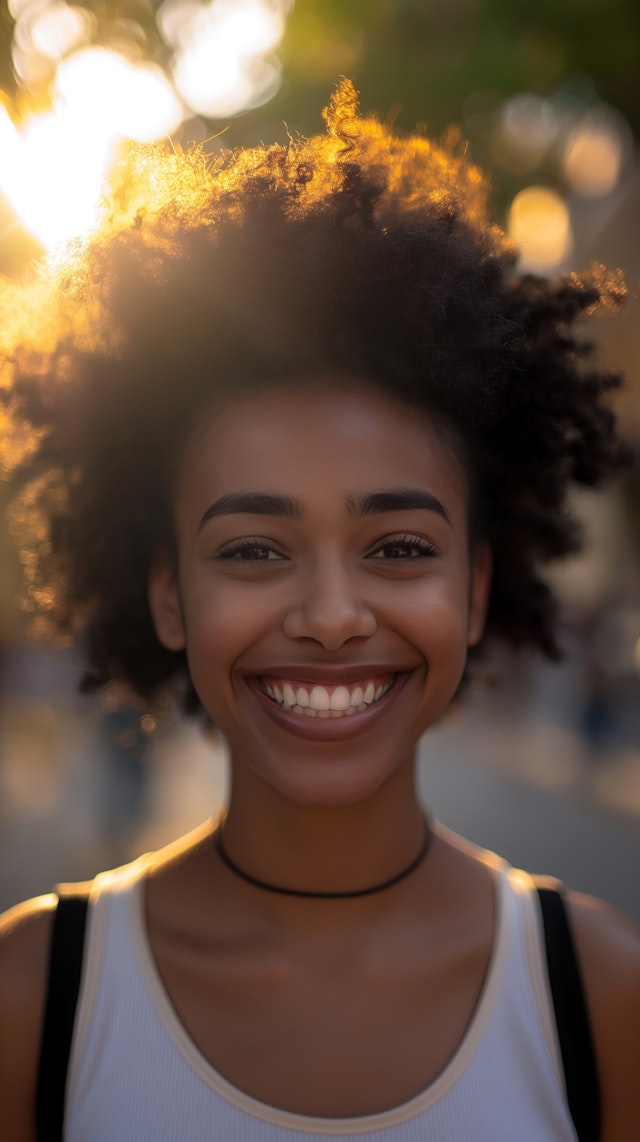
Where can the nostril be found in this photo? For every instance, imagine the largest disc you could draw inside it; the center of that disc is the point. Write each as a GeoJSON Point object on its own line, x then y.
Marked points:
{"type": "Point", "coordinates": [329, 623]}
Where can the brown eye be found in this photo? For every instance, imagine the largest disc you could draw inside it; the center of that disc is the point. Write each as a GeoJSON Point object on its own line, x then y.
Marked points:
{"type": "Point", "coordinates": [250, 551]}
{"type": "Point", "coordinates": [404, 547]}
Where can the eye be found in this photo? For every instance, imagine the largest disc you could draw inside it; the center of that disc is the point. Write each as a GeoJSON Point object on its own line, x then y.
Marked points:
{"type": "Point", "coordinates": [251, 551]}
{"type": "Point", "coordinates": [403, 547]}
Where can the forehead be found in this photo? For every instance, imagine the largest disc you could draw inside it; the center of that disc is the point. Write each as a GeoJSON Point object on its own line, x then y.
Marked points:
{"type": "Point", "coordinates": [319, 435]}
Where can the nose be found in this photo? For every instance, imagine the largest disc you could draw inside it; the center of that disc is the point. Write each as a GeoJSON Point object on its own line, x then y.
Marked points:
{"type": "Point", "coordinates": [329, 609]}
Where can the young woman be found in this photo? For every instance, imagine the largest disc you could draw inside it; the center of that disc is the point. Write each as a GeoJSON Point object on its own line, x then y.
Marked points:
{"type": "Point", "coordinates": [303, 442]}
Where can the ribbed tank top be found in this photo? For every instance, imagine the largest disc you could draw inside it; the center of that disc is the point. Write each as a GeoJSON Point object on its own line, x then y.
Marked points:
{"type": "Point", "coordinates": [136, 1076]}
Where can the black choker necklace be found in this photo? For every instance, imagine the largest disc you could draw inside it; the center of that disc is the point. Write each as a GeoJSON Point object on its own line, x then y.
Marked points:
{"type": "Point", "coordinates": [226, 859]}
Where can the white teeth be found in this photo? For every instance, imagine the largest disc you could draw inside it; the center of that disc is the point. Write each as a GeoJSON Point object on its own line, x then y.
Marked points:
{"type": "Point", "coordinates": [319, 698]}
{"type": "Point", "coordinates": [317, 702]}
{"type": "Point", "coordinates": [289, 694]}
{"type": "Point", "coordinates": [340, 699]}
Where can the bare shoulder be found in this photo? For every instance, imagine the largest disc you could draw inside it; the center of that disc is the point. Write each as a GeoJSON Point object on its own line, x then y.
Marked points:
{"type": "Point", "coordinates": [25, 933]}
{"type": "Point", "coordinates": [24, 944]}
{"type": "Point", "coordinates": [608, 946]}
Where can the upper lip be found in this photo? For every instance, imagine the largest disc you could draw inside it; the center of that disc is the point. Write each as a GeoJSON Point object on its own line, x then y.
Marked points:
{"type": "Point", "coordinates": [333, 674]}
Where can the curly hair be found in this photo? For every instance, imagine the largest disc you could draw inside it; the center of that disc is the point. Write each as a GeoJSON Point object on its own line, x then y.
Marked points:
{"type": "Point", "coordinates": [357, 252]}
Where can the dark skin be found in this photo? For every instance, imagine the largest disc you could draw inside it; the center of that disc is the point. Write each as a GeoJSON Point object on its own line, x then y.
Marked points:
{"type": "Point", "coordinates": [349, 1006]}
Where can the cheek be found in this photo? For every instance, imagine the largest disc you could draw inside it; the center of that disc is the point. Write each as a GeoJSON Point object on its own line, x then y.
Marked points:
{"type": "Point", "coordinates": [437, 608]}
{"type": "Point", "coordinates": [436, 623]}
{"type": "Point", "coordinates": [222, 622]}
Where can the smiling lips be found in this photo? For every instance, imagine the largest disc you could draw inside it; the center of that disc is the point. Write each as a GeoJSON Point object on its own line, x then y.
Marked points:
{"type": "Point", "coordinates": [316, 701]}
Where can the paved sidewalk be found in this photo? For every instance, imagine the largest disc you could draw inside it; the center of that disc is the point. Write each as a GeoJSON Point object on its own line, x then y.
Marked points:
{"type": "Point", "coordinates": [564, 829]}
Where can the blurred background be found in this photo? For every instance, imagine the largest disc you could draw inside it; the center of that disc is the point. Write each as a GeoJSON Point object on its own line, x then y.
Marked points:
{"type": "Point", "coordinates": [545, 766]}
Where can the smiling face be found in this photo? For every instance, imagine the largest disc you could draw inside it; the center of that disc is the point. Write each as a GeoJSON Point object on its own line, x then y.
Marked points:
{"type": "Point", "coordinates": [325, 592]}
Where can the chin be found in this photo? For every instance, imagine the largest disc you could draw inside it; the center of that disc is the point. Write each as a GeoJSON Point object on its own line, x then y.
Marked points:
{"type": "Point", "coordinates": [338, 784]}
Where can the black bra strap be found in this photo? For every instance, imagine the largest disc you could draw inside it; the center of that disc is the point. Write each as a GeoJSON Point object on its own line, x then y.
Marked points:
{"type": "Point", "coordinates": [65, 967]}
{"type": "Point", "coordinates": [572, 1020]}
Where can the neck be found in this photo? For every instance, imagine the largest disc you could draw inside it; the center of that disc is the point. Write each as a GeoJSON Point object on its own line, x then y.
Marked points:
{"type": "Point", "coordinates": [324, 894]}
{"type": "Point", "coordinates": [329, 850]}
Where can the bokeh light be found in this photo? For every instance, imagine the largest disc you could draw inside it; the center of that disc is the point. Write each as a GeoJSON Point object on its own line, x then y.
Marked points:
{"type": "Point", "coordinates": [55, 165]}
{"type": "Point", "coordinates": [53, 175]}
{"type": "Point", "coordinates": [53, 170]}
{"type": "Point", "coordinates": [221, 64]}
{"type": "Point", "coordinates": [118, 98]}
{"type": "Point", "coordinates": [526, 127]}
{"type": "Point", "coordinates": [594, 155]}
{"type": "Point", "coordinates": [539, 224]}
{"type": "Point", "coordinates": [58, 29]}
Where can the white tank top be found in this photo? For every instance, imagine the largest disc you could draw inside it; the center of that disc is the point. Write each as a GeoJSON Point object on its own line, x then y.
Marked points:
{"type": "Point", "coordinates": [136, 1076]}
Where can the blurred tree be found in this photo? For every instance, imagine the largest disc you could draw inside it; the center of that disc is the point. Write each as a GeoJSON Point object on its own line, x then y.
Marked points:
{"type": "Point", "coordinates": [432, 54]}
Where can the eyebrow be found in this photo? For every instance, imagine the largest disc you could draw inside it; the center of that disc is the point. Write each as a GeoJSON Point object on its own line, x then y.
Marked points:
{"type": "Point", "coordinates": [396, 500]}
{"type": "Point", "coordinates": [287, 507]}
{"type": "Point", "coordinates": [253, 503]}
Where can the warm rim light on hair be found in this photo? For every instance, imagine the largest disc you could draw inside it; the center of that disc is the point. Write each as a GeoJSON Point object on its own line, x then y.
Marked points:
{"type": "Point", "coordinates": [55, 168]}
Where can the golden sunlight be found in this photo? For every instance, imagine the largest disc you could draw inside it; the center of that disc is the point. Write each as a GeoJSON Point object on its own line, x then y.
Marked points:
{"type": "Point", "coordinates": [222, 63]}
{"type": "Point", "coordinates": [57, 29]}
{"type": "Point", "coordinates": [119, 99]}
{"type": "Point", "coordinates": [9, 141]}
{"type": "Point", "coordinates": [593, 158]}
{"type": "Point", "coordinates": [55, 175]}
{"type": "Point", "coordinates": [539, 224]}
{"type": "Point", "coordinates": [55, 166]}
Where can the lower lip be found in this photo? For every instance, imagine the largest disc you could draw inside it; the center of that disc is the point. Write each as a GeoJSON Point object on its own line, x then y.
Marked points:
{"type": "Point", "coordinates": [328, 729]}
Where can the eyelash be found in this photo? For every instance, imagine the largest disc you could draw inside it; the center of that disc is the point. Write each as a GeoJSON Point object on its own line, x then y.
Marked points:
{"type": "Point", "coordinates": [238, 549]}
{"type": "Point", "coordinates": [241, 546]}
{"type": "Point", "coordinates": [423, 548]}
